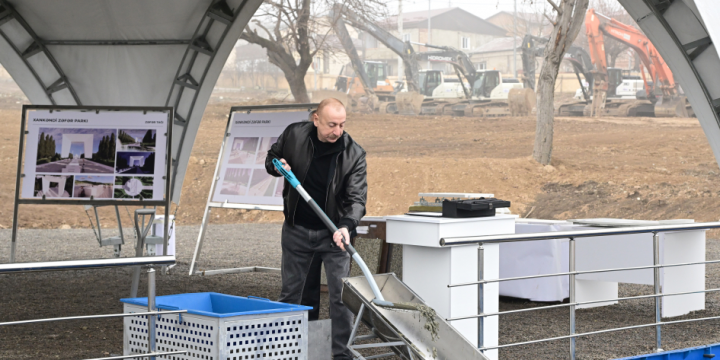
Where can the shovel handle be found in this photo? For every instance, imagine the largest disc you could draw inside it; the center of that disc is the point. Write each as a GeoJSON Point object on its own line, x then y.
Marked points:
{"type": "Point", "coordinates": [330, 225]}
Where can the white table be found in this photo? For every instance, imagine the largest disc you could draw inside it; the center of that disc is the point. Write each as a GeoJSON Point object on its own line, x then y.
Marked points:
{"type": "Point", "coordinates": [535, 258]}
{"type": "Point", "coordinates": [428, 268]}
{"type": "Point", "coordinates": [618, 251]}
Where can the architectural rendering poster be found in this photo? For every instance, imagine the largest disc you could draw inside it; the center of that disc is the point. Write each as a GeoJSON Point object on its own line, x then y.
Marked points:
{"type": "Point", "coordinates": [242, 177]}
{"type": "Point", "coordinates": [106, 155]}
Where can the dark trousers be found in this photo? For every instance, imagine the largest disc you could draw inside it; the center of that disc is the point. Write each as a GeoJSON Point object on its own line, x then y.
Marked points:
{"type": "Point", "coordinates": [303, 252]}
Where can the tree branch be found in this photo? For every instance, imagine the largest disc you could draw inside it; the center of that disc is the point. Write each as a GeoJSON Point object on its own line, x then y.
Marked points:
{"type": "Point", "coordinates": [264, 29]}
{"type": "Point", "coordinates": [550, 20]}
{"type": "Point", "coordinates": [555, 7]}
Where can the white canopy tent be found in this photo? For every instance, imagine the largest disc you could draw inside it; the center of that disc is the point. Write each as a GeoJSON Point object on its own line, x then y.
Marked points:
{"type": "Point", "coordinates": [124, 53]}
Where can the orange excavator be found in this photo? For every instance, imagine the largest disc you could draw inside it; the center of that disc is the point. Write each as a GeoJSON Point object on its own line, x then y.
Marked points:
{"type": "Point", "coordinates": [660, 97]}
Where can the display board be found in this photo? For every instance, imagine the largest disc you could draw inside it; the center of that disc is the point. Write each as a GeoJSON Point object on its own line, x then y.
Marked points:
{"type": "Point", "coordinates": [83, 155]}
{"type": "Point", "coordinates": [241, 180]}
{"type": "Point", "coordinates": [93, 155]}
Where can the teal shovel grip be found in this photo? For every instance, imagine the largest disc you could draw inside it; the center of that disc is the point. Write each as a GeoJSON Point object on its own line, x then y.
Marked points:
{"type": "Point", "coordinates": [286, 173]}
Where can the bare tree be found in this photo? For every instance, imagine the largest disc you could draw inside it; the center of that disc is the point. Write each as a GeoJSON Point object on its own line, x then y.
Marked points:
{"type": "Point", "coordinates": [568, 19]}
{"type": "Point", "coordinates": [294, 31]}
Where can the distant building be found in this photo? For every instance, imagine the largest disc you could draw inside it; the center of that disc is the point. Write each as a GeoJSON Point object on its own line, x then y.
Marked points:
{"type": "Point", "coordinates": [452, 27]}
{"type": "Point", "coordinates": [498, 55]}
{"type": "Point", "coordinates": [527, 23]}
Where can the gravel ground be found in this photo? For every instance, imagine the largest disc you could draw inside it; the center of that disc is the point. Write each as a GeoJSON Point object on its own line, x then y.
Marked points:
{"type": "Point", "coordinates": [51, 294]}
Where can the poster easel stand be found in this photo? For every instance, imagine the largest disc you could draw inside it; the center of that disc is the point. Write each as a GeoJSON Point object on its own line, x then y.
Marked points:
{"type": "Point", "coordinates": [228, 205]}
{"type": "Point", "coordinates": [91, 202]}
{"type": "Point", "coordinates": [115, 241]}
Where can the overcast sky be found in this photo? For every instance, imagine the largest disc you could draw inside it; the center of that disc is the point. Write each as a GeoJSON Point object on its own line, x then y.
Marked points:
{"type": "Point", "coordinates": [481, 8]}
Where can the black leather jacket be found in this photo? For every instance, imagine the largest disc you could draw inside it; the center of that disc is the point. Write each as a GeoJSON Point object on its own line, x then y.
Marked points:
{"type": "Point", "coordinates": [347, 192]}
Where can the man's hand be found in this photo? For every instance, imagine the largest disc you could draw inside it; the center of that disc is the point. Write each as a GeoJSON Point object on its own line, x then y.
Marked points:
{"type": "Point", "coordinates": [285, 166]}
{"type": "Point", "coordinates": [338, 237]}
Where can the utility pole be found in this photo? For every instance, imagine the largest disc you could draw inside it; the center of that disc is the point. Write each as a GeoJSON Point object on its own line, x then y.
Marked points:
{"type": "Point", "coordinates": [429, 31]}
{"type": "Point", "coordinates": [515, 75]}
{"type": "Point", "coordinates": [402, 37]}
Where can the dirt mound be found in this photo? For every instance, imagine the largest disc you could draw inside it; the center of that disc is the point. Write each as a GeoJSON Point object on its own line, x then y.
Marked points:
{"type": "Point", "coordinates": [649, 202]}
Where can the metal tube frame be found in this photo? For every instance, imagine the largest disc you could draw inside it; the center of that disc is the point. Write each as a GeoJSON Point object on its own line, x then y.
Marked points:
{"type": "Point", "coordinates": [492, 239]}
{"type": "Point", "coordinates": [114, 42]}
{"type": "Point", "coordinates": [89, 317]}
{"type": "Point", "coordinates": [481, 296]}
{"type": "Point", "coordinates": [117, 247]}
{"type": "Point", "coordinates": [23, 134]}
{"type": "Point", "coordinates": [211, 204]}
{"type": "Point", "coordinates": [151, 309]}
{"type": "Point", "coordinates": [656, 284]}
{"type": "Point", "coordinates": [657, 265]}
{"type": "Point", "coordinates": [572, 298]}
{"type": "Point", "coordinates": [600, 332]}
{"type": "Point", "coordinates": [353, 338]}
{"type": "Point", "coordinates": [86, 264]}
{"type": "Point", "coordinates": [581, 303]}
{"type": "Point", "coordinates": [151, 315]}
{"type": "Point", "coordinates": [583, 272]}
{"type": "Point", "coordinates": [140, 244]}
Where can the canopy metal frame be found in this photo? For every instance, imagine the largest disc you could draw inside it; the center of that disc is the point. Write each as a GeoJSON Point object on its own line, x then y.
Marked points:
{"type": "Point", "coordinates": [36, 49]}
{"type": "Point", "coordinates": [218, 15]}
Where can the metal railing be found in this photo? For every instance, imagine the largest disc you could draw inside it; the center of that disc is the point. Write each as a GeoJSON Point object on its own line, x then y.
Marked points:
{"type": "Point", "coordinates": [151, 314]}
{"type": "Point", "coordinates": [86, 264]}
{"type": "Point", "coordinates": [572, 273]}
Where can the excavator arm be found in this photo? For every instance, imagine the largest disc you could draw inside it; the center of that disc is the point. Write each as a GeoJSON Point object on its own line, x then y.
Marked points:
{"type": "Point", "coordinates": [403, 49]}
{"type": "Point", "coordinates": [341, 31]}
{"type": "Point", "coordinates": [598, 26]}
{"type": "Point", "coordinates": [458, 59]}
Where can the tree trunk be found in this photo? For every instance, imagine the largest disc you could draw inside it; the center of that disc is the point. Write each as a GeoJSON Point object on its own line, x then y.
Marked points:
{"type": "Point", "coordinates": [569, 19]}
{"type": "Point", "coordinates": [542, 151]}
{"type": "Point", "coordinates": [298, 88]}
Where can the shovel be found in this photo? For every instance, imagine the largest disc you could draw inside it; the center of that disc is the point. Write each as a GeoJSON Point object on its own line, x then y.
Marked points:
{"type": "Point", "coordinates": [379, 299]}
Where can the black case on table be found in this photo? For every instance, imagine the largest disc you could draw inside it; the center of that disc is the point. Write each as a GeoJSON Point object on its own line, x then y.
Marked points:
{"type": "Point", "coordinates": [472, 207]}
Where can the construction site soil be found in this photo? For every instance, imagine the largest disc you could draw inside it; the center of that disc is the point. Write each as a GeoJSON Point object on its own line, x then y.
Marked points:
{"type": "Point", "coordinates": [636, 168]}
{"type": "Point", "coordinates": [640, 168]}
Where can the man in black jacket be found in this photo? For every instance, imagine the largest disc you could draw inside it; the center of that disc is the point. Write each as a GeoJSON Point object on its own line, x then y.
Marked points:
{"type": "Point", "coordinates": [332, 169]}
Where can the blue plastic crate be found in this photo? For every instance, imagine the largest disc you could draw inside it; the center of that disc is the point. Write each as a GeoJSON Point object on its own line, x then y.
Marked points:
{"type": "Point", "coordinates": [695, 353]}
{"type": "Point", "coordinates": [220, 327]}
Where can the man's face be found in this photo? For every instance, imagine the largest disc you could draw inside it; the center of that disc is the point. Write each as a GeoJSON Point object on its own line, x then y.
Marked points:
{"type": "Point", "coordinates": [330, 123]}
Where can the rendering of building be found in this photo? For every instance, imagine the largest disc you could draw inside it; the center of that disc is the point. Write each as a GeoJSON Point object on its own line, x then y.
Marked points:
{"type": "Point", "coordinates": [69, 139]}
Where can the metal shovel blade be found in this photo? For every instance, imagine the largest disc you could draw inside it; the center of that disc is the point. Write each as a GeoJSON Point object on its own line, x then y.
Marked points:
{"type": "Point", "coordinates": [406, 326]}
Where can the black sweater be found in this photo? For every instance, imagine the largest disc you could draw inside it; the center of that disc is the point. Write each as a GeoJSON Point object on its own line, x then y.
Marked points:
{"type": "Point", "coordinates": [319, 175]}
